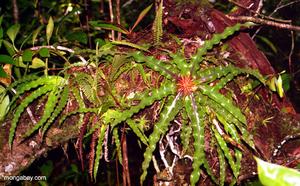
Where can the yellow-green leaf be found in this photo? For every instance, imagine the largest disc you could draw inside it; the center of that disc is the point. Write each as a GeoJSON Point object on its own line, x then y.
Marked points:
{"type": "Point", "coordinates": [36, 33]}
{"type": "Point", "coordinates": [27, 55]}
{"type": "Point", "coordinates": [37, 63]}
{"type": "Point", "coordinates": [276, 175]}
{"type": "Point", "coordinates": [271, 83]}
{"type": "Point", "coordinates": [13, 31]}
{"type": "Point", "coordinates": [108, 26]}
{"type": "Point", "coordinates": [279, 87]}
{"type": "Point", "coordinates": [123, 42]}
{"type": "Point", "coordinates": [268, 42]}
{"type": "Point", "coordinates": [4, 102]}
{"type": "Point", "coordinates": [49, 29]}
{"type": "Point", "coordinates": [141, 16]}
{"type": "Point", "coordinates": [9, 47]}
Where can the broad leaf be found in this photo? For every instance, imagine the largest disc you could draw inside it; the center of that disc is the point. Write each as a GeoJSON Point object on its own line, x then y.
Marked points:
{"type": "Point", "coordinates": [13, 31]}
{"type": "Point", "coordinates": [276, 175]}
{"type": "Point", "coordinates": [27, 55]}
{"type": "Point", "coordinates": [6, 59]}
{"type": "Point", "coordinates": [37, 63]}
{"type": "Point", "coordinates": [9, 47]}
{"type": "Point", "coordinates": [44, 52]}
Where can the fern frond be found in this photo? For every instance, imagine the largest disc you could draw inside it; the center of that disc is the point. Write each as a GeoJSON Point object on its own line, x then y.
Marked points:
{"type": "Point", "coordinates": [226, 151]}
{"type": "Point", "coordinates": [157, 24]}
{"type": "Point", "coordinates": [181, 63]}
{"type": "Point", "coordinates": [78, 111]}
{"type": "Point", "coordinates": [229, 128]}
{"type": "Point", "coordinates": [61, 105]}
{"type": "Point", "coordinates": [132, 124]}
{"type": "Point", "coordinates": [230, 118]}
{"type": "Point", "coordinates": [209, 170]}
{"type": "Point", "coordinates": [50, 105]}
{"type": "Point", "coordinates": [223, 101]}
{"type": "Point", "coordinates": [197, 122]}
{"type": "Point", "coordinates": [118, 144]}
{"type": "Point", "coordinates": [186, 131]}
{"type": "Point", "coordinates": [160, 128]}
{"type": "Point", "coordinates": [222, 164]}
{"type": "Point", "coordinates": [210, 74]}
{"type": "Point", "coordinates": [45, 80]}
{"type": "Point", "coordinates": [78, 97]}
{"type": "Point", "coordinates": [24, 79]}
{"type": "Point", "coordinates": [167, 70]}
{"type": "Point", "coordinates": [25, 102]}
{"type": "Point", "coordinates": [166, 89]}
{"type": "Point", "coordinates": [208, 45]}
{"type": "Point", "coordinates": [99, 150]}
{"type": "Point", "coordinates": [86, 85]}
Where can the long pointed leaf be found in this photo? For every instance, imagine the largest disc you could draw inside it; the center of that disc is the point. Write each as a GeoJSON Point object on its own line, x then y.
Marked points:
{"type": "Point", "coordinates": [160, 128]}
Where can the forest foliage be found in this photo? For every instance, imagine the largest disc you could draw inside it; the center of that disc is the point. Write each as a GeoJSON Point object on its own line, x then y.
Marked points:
{"type": "Point", "coordinates": [78, 68]}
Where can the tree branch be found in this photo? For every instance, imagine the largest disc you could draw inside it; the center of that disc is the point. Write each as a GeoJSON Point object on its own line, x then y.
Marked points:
{"type": "Point", "coordinates": [266, 22]}
{"type": "Point", "coordinates": [15, 11]}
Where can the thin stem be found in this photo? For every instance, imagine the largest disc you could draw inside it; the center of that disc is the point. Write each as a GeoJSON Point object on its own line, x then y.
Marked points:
{"type": "Point", "coordinates": [291, 51]}
{"type": "Point", "coordinates": [118, 17]}
{"type": "Point", "coordinates": [126, 175]}
{"type": "Point", "coordinates": [15, 11]}
{"type": "Point", "coordinates": [266, 22]}
{"type": "Point", "coordinates": [258, 14]}
{"type": "Point", "coordinates": [86, 5]}
{"type": "Point", "coordinates": [283, 6]}
{"type": "Point", "coordinates": [278, 7]}
{"type": "Point", "coordinates": [111, 14]}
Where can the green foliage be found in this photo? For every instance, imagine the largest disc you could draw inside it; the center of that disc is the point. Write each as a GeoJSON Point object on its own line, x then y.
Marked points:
{"type": "Point", "coordinates": [43, 85]}
{"type": "Point", "coordinates": [99, 150]}
{"type": "Point", "coordinates": [4, 103]}
{"type": "Point", "coordinates": [12, 32]}
{"type": "Point", "coordinates": [193, 87]}
{"type": "Point", "coordinates": [157, 24]}
{"type": "Point", "coordinates": [276, 175]}
{"type": "Point", "coordinates": [197, 121]}
{"type": "Point", "coordinates": [160, 128]}
{"type": "Point", "coordinates": [185, 82]}
{"type": "Point", "coordinates": [191, 92]}
{"type": "Point", "coordinates": [137, 130]}
{"type": "Point", "coordinates": [63, 100]}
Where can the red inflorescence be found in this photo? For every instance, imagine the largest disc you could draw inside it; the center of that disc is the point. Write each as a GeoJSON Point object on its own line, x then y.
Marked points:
{"type": "Point", "coordinates": [185, 85]}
